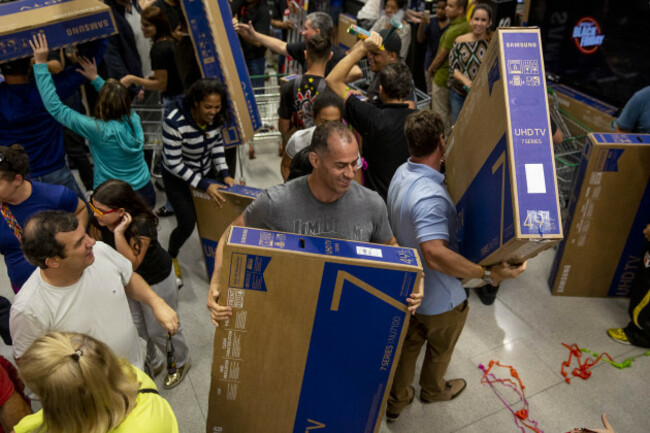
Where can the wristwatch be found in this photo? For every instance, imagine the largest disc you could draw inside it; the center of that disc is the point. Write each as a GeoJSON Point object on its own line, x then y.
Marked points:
{"type": "Point", "coordinates": [487, 276]}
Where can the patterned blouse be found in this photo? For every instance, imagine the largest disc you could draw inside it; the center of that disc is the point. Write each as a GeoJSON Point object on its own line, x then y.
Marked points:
{"type": "Point", "coordinates": [467, 58]}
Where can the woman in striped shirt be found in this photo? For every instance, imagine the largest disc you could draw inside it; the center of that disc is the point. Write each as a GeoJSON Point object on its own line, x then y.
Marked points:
{"type": "Point", "coordinates": [193, 151]}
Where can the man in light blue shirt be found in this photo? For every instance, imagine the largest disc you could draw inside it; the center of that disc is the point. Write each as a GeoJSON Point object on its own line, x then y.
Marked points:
{"type": "Point", "coordinates": [423, 216]}
{"type": "Point", "coordinates": [636, 114]}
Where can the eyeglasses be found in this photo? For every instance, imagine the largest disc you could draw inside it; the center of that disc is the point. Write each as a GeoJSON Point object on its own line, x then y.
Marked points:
{"type": "Point", "coordinates": [4, 158]}
{"type": "Point", "coordinates": [100, 213]}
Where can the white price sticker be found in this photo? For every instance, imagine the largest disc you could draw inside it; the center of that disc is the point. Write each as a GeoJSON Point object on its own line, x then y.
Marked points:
{"type": "Point", "coordinates": [372, 252]}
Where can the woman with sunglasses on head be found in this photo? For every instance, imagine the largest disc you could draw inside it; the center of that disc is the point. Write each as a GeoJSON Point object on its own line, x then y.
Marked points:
{"type": "Point", "coordinates": [114, 134]}
{"type": "Point", "coordinates": [125, 222]}
{"type": "Point", "coordinates": [193, 151]}
{"type": "Point", "coordinates": [85, 388]}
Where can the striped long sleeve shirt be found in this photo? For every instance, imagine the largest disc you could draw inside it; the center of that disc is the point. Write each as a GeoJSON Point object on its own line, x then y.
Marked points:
{"type": "Point", "coordinates": [189, 151]}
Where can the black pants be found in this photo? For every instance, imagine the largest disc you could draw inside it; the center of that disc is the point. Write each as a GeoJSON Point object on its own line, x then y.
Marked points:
{"type": "Point", "coordinates": [5, 307]}
{"type": "Point", "coordinates": [231, 161]}
{"type": "Point", "coordinates": [638, 330]}
{"type": "Point", "coordinates": [180, 196]}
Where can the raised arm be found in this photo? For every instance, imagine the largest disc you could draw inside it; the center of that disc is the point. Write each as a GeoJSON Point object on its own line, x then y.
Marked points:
{"type": "Point", "coordinates": [337, 77]}
{"type": "Point", "coordinates": [83, 125]}
{"type": "Point", "coordinates": [247, 31]}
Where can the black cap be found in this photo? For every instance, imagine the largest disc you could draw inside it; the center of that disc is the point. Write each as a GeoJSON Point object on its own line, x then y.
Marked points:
{"type": "Point", "coordinates": [393, 44]}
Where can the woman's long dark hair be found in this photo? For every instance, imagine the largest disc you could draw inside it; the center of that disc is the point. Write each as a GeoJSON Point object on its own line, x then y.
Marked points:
{"type": "Point", "coordinates": [157, 17]}
{"type": "Point", "coordinates": [201, 89]}
{"type": "Point", "coordinates": [116, 193]}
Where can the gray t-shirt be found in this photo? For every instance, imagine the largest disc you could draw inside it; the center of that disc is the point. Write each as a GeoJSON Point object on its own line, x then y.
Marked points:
{"type": "Point", "coordinates": [360, 215]}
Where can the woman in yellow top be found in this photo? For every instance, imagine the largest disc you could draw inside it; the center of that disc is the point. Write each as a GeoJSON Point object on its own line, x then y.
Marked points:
{"type": "Point", "coordinates": [85, 388]}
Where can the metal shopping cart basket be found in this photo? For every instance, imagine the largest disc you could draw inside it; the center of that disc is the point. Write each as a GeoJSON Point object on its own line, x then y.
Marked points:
{"type": "Point", "coordinates": [150, 111]}
{"type": "Point", "coordinates": [569, 151]}
{"type": "Point", "coordinates": [267, 98]}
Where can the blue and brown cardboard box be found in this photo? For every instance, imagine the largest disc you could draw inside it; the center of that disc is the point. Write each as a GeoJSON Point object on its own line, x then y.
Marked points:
{"type": "Point", "coordinates": [500, 161]}
{"type": "Point", "coordinates": [212, 221]}
{"type": "Point", "coordinates": [219, 54]}
{"type": "Point", "coordinates": [316, 329]}
{"type": "Point", "coordinates": [587, 112]}
{"type": "Point", "coordinates": [609, 208]}
{"type": "Point", "coordinates": [64, 22]}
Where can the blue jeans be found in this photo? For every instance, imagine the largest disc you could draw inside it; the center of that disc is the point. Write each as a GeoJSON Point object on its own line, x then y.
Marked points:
{"type": "Point", "coordinates": [456, 101]}
{"type": "Point", "coordinates": [62, 176]}
{"type": "Point", "coordinates": [256, 67]}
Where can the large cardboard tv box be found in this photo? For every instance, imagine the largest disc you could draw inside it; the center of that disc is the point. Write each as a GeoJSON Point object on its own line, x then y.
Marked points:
{"type": "Point", "coordinates": [212, 221]}
{"type": "Point", "coordinates": [586, 112]}
{"type": "Point", "coordinates": [345, 39]}
{"type": "Point", "coordinates": [64, 22]}
{"type": "Point", "coordinates": [500, 163]}
{"type": "Point", "coordinates": [219, 54]}
{"type": "Point", "coordinates": [609, 208]}
{"type": "Point", "coordinates": [316, 328]}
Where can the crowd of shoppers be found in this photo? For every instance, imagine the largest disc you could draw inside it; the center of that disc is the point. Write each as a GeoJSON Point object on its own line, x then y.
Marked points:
{"type": "Point", "coordinates": [359, 167]}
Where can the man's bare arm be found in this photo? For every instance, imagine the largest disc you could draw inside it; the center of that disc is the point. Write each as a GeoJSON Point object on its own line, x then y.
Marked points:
{"type": "Point", "coordinates": [217, 312]}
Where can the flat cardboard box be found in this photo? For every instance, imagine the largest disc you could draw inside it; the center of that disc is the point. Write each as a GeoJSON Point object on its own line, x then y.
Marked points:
{"type": "Point", "coordinates": [212, 221]}
{"type": "Point", "coordinates": [609, 208]}
{"type": "Point", "coordinates": [500, 163]}
{"type": "Point", "coordinates": [345, 39]}
{"type": "Point", "coordinates": [316, 328]}
{"type": "Point", "coordinates": [64, 22]}
{"type": "Point", "coordinates": [219, 54]}
{"type": "Point", "coordinates": [595, 115]}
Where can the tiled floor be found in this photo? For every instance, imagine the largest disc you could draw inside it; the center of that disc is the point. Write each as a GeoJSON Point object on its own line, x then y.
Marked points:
{"type": "Point", "coordinates": [524, 328]}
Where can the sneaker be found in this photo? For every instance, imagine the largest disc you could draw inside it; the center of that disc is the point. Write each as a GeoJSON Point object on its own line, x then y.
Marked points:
{"type": "Point", "coordinates": [487, 294]}
{"type": "Point", "coordinates": [618, 335]}
{"type": "Point", "coordinates": [163, 211]}
{"type": "Point", "coordinates": [177, 271]}
{"type": "Point", "coordinates": [174, 379]}
{"type": "Point", "coordinates": [453, 388]}
{"type": "Point", "coordinates": [392, 417]}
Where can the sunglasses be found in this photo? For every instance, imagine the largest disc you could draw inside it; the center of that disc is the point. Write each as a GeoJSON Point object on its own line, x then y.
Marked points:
{"type": "Point", "coordinates": [100, 213]}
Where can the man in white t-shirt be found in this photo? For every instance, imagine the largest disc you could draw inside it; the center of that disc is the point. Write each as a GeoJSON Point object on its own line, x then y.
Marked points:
{"type": "Point", "coordinates": [81, 286]}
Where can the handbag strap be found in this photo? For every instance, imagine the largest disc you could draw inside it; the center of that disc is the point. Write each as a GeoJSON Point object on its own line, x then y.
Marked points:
{"type": "Point", "coordinates": [11, 221]}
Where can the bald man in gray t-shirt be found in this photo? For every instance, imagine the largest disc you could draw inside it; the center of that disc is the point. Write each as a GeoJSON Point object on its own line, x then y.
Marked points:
{"type": "Point", "coordinates": [359, 215]}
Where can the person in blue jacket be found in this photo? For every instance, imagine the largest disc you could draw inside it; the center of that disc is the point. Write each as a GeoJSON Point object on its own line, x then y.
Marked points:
{"type": "Point", "coordinates": [24, 120]}
{"type": "Point", "coordinates": [114, 134]}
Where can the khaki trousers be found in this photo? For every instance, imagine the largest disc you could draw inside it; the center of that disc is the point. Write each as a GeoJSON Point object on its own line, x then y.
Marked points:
{"type": "Point", "coordinates": [440, 104]}
{"type": "Point", "coordinates": [440, 333]}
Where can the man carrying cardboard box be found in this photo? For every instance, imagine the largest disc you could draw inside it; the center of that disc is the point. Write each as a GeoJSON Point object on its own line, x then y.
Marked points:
{"type": "Point", "coordinates": [326, 203]}
{"type": "Point", "coordinates": [423, 216]}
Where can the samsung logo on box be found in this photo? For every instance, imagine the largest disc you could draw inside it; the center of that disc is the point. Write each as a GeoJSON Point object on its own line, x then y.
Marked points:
{"type": "Point", "coordinates": [85, 28]}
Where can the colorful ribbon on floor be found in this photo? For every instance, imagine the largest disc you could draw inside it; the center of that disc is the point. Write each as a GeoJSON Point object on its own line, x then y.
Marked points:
{"type": "Point", "coordinates": [521, 416]}
{"type": "Point", "coordinates": [583, 369]}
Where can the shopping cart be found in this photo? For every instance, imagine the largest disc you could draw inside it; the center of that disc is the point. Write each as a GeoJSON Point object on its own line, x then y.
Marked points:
{"type": "Point", "coordinates": [150, 110]}
{"type": "Point", "coordinates": [568, 152]}
{"type": "Point", "coordinates": [268, 102]}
